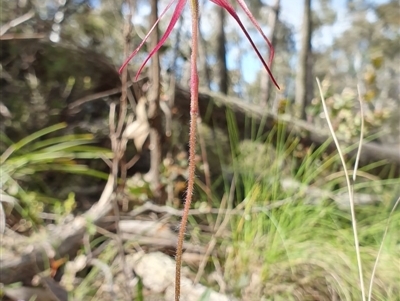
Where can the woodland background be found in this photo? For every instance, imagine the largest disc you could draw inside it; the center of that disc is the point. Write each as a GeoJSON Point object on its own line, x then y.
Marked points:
{"type": "Point", "coordinates": [94, 164]}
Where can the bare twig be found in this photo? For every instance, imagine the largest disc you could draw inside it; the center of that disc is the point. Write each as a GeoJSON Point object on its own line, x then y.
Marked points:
{"type": "Point", "coordinates": [6, 27]}
{"type": "Point", "coordinates": [175, 212]}
{"type": "Point", "coordinates": [118, 145]}
{"type": "Point", "coordinates": [22, 36]}
{"type": "Point", "coordinates": [96, 96]}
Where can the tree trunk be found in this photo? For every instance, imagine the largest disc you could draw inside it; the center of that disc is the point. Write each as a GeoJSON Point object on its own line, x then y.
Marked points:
{"type": "Point", "coordinates": [204, 70]}
{"type": "Point", "coordinates": [304, 82]}
{"type": "Point", "coordinates": [222, 71]}
{"type": "Point", "coordinates": [154, 116]}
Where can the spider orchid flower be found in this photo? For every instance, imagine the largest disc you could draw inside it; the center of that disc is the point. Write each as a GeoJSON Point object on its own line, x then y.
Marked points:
{"type": "Point", "coordinates": [222, 3]}
{"type": "Point", "coordinates": [194, 93]}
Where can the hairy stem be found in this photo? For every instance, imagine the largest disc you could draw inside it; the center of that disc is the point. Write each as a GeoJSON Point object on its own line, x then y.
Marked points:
{"type": "Point", "coordinates": [194, 108]}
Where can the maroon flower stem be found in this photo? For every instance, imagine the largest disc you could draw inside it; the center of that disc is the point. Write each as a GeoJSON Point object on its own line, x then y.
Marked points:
{"type": "Point", "coordinates": [194, 110]}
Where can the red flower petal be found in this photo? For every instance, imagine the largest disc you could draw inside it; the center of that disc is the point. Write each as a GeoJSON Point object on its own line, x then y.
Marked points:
{"type": "Point", "coordinates": [178, 10]}
{"type": "Point", "coordinates": [255, 23]}
{"type": "Point", "coordinates": [225, 4]}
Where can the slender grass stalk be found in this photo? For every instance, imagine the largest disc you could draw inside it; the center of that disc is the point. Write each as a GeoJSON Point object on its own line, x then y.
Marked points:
{"type": "Point", "coordinates": [350, 190]}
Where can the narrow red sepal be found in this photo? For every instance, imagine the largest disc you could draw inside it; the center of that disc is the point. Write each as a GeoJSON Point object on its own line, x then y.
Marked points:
{"type": "Point", "coordinates": [228, 7]}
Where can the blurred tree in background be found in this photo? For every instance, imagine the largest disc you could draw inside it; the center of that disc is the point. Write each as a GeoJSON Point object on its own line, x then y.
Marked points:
{"type": "Point", "coordinates": [55, 55]}
{"type": "Point", "coordinates": [365, 53]}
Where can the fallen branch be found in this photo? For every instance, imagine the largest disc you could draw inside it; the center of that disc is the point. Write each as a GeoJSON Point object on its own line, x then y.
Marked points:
{"type": "Point", "coordinates": [309, 135]}
{"type": "Point", "coordinates": [14, 23]}
{"type": "Point", "coordinates": [25, 257]}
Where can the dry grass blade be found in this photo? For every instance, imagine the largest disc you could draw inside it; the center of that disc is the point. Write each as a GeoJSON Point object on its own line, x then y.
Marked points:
{"type": "Point", "coordinates": [350, 190]}
{"type": "Point", "coordinates": [361, 135]}
{"type": "Point", "coordinates": [213, 241]}
{"type": "Point", "coordinates": [371, 284]}
{"type": "Point", "coordinates": [2, 219]}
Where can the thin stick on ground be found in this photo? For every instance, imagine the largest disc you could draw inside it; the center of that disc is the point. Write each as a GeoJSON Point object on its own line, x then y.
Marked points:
{"type": "Point", "coordinates": [118, 146]}
{"type": "Point", "coordinates": [350, 190]}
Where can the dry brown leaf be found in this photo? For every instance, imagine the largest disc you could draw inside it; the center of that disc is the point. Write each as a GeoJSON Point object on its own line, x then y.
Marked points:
{"type": "Point", "coordinates": [139, 130]}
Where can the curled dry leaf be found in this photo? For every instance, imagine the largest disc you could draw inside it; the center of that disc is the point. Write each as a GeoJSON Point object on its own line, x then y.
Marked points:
{"type": "Point", "coordinates": [138, 130]}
